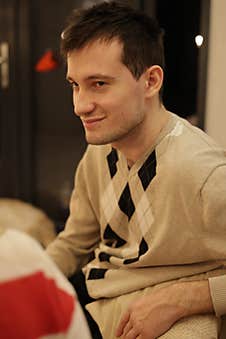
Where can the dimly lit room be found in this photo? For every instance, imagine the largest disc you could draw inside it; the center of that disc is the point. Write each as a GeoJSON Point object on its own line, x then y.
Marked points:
{"type": "Point", "coordinates": [53, 173]}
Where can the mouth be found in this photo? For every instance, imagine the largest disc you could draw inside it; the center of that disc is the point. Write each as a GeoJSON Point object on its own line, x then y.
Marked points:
{"type": "Point", "coordinates": [87, 123]}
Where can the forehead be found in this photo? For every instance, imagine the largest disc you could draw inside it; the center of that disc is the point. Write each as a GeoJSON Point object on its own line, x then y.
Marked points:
{"type": "Point", "coordinates": [98, 56]}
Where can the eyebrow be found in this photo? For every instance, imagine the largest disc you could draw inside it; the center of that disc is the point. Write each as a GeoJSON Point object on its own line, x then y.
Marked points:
{"type": "Point", "coordinates": [94, 76]}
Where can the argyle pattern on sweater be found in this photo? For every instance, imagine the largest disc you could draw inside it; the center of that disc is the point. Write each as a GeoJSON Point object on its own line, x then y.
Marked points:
{"type": "Point", "coordinates": [119, 208]}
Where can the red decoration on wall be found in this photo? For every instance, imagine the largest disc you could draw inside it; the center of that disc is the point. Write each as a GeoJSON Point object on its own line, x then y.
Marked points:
{"type": "Point", "coordinates": [47, 62]}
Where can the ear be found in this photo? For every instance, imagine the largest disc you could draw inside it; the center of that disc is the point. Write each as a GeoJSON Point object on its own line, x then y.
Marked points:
{"type": "Point", "coordinates": [153, 80]}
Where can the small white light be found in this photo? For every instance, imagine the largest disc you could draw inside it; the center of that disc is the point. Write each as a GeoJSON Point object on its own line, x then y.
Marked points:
{"type": "Point", "coordinates": [199, 40]}
{"type": "Point", "coordinates": [62, 35]}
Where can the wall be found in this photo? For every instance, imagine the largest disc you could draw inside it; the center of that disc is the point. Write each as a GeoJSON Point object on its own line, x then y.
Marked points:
{"type": "Point", "coordinates": [215, 121]}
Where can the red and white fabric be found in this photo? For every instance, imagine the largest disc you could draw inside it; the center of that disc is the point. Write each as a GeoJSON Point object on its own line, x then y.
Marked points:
{"type": "Point", "coordinates": [36, 300]}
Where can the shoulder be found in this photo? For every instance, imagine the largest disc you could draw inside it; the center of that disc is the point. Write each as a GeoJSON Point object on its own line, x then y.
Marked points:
{"type": "Point", "coordinates": [187, 152]}
{"type": "Point", "coordinates": [190, 143]}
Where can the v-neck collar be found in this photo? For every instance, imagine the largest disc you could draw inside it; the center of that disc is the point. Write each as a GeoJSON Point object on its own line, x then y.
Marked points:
{"type": "Point", "coordinates": [122, 161]}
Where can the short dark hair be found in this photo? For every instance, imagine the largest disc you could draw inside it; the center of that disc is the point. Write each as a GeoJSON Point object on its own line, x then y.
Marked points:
{"type": "Point", "coordinates": [140, 35]}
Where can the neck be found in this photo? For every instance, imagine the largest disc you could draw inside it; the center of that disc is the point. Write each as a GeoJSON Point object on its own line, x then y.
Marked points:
{"type": "Point", "coordinates": [144, 136]}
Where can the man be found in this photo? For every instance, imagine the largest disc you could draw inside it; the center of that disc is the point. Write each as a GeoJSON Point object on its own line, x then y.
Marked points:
{"type": "Point", "coordinates": [148, 197]}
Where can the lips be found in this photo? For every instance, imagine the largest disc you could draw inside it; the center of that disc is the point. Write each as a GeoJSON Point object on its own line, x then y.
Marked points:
{"type": "Point", "coordinates": [91, 122]}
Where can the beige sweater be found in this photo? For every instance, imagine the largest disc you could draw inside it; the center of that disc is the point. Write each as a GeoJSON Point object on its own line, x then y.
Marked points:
{"type": "Point", "coordinates": [162, 220]}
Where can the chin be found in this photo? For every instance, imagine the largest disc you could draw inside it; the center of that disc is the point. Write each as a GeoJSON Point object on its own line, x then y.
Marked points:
{"type": "Point", "coordinates": [95, 141]}
{"type": "Point", "coordinates": [102, 140]}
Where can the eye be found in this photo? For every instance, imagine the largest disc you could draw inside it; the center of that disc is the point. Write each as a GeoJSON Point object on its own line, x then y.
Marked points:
{"type": "Point", "coordinates": [100, 83]}
{"type": "Point", "coordinates": [74, 85]}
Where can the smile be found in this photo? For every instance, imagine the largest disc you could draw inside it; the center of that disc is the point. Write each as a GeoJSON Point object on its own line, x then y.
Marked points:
{"type": "Point", "coordinates": [91, 122]}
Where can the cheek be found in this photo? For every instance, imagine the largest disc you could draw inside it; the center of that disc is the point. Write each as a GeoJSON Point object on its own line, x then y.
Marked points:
{"type": "Point", "coordinates": [112, 104]}
{"type": "Point", "coordinates": [123, 103]}
{"type": "Point", "coordinates": [132, 105]}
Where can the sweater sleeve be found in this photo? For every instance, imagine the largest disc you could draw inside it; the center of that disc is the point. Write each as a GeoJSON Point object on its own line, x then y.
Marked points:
{"type": "Point", "coordinates": [218, 294]}
{"type": "Point", "coordinates": [72, 248]}
{"type": "Point", "coordinates": [214, 216]}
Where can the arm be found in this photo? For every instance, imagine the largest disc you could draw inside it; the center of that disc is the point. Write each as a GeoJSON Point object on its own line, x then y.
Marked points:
{"type": "Point", "coordinates": [72, 248]}
{"type": "Point", "coordinates": [218, 294]}
{"type": "Point", "coordinates": [213, 196]}
{"type": "Point", "coordinates": [157, 312]}
{"type": "Point", "coordinates": [154, 314]}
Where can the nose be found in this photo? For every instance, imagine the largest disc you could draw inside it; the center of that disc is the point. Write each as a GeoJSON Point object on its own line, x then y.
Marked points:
{"type": "Point", "coordinates": [83, 104]}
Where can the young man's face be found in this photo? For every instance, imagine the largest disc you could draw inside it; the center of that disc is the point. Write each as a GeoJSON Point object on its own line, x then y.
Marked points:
{"type": "Point", "coordinates": [107, 98]}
